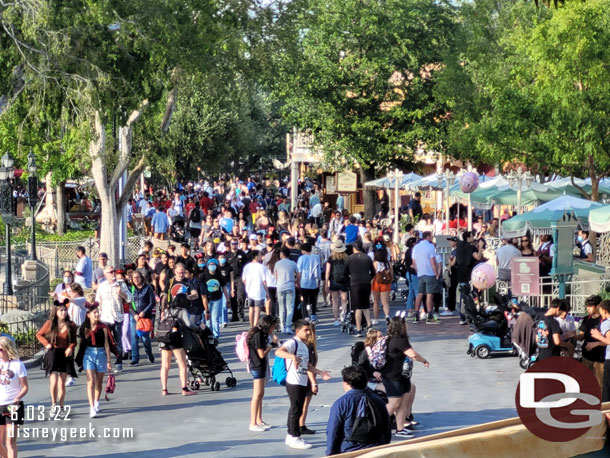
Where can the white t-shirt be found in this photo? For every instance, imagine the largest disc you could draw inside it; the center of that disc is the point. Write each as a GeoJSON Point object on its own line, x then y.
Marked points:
{"type": "Point", "coordinates": [253, 277]}
{"type": "Point", "coordinates": [10, 373]}
{"type": "Point", "coordinates": [423, 252]}
{"type": "Point", "coordinates": [297, 376]}
{"type": "Point", "coordinates": [77, 310]}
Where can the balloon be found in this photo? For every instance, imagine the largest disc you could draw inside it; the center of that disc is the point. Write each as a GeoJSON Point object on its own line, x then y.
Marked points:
{"type": "Point", "coordinates": [227, 225]}
{"type": "Point", "coordinates": [469, 182]}
{"type": "Point", "coordinates": [483, 276]}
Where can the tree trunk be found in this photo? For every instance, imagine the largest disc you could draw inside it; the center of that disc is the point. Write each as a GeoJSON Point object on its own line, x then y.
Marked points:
{"type": "Point", "coordinates": [367, 173]}
{"type": "Point", "coordinates": [595, 178]}
{"type": "Point", "coordinates": [60, 198]}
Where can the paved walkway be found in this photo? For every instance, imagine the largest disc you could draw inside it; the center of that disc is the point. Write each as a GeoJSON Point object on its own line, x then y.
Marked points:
{"type": "Point", "coordinates": [456, 391]}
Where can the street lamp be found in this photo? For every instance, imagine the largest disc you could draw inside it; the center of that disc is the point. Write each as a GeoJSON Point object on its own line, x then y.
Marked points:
{"type": "Point", "coordinates": [449, 178]}
{"type": "Point", "coordinates": [517, 179]}
{"type": "Point", "coordinates": [198, 173]}
{"type": "Point", "coordinates": [7, 172]}
{"type": "Point", "coordinates": [397, 176]}
{"type": "Point", "coordinates": [33, 197]}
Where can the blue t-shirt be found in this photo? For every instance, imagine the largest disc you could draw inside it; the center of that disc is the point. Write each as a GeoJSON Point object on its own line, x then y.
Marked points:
{"type": "Point", "coordinates": [309, 266]}
{"type": "Point", "coordinates": [351, 233]}
{"type": "Point", "coordinates": [160, 223]}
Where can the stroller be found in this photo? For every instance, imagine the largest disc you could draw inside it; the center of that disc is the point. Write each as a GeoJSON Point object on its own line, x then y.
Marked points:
{"type": "Point", "coordinates": [348, 323]}
{"type": "Point", "coordinates": [204, 360]}
{"type": "Point", "coordinates": [399, 271]}
{"type": "Point", "coordinates": [524, 336]}
{"type": "Point", "coordinates": [178, 229]}
{"type": "Point", "coordinates": [490, 327]}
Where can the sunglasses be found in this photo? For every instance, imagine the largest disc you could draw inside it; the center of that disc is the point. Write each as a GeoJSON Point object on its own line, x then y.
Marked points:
{"type": "Point", "coordinates": [111, 272]}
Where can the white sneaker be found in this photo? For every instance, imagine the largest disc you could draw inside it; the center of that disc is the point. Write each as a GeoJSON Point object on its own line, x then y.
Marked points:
{"type": "Point", "coordinates": [446, 313]}
{"type": "Point", "coordinates": [337, 323]}
{"type": "Point", "coordinates": [297, 442]}
{"type": "Point", "coordinates": [92, 412]}
{"type": "Point", "coordinates": [96, 406]}
{"type": "Point", "coordinates": [70, 381]}
{"type": "Point", "coordinates": [257, 428]}
{"type": "Point", "coordinates": [342, 316]}
{"type": "Point", "coordinates": [374, 322]}
{"type": "Point", "coordinates": [289, 439]}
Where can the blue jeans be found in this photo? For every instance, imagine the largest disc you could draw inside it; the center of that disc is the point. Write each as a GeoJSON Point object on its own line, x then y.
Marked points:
{"type": "Point", "coordinates": [285, 300]}
{"type": "Point", "coordinates": [135, 351]}
{"type": "Point", "coordinates": [215, 315]}
{"type": "Point", "coordinates": [225, 311]}
{"type": "Point", "coordinates": [413, 287]}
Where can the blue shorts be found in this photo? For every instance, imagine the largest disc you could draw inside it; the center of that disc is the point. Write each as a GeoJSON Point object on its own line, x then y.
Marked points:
{"type": "Point", "coordinates": [95, 359]}
{"type": "Point", "coordinates": [258, 374]}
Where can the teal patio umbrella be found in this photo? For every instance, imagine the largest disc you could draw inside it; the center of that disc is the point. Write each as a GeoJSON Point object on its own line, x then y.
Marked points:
{"type": "Point", "coordinates": [599, 219]}
{"type": "Point", "coordinates": [540, 218]}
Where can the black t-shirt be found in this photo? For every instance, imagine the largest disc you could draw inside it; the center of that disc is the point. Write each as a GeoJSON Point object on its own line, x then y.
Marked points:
{"type": "Point", "coordinates": [159, 268]}
{"type": "Point", "coordinates": [258, 341]}
{"type": "Point", "coordinates": [359, 268]}
{"type": "Point", "coordinates": [146, 272]}
{"type": "Point", "coordinates": [211, 284]}
{"type": "Point", "coordinates": [396, 357]}
{"type": "Point", "coordinates": [196, 306]}
{"type": "Point", "coordinates": [463, 261]}
{"type": "Point", "coordinates": [225, 273]}
{"type": "Point", "coordinates": [237, 261]}
{"type": "Point", "coordinates": [188, 262]}
{"type": "Point", "coordinates": [598, 354]}
{"type": "Point", "coordinates": [552, 349]}
{"type": "Point", "coordinates": [294, 254]}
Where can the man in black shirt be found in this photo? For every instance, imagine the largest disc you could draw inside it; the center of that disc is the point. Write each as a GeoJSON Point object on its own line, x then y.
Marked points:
{"type": "Point", "coordinates": [549, 337]}
{"type": "Point", "coordinates": [415, 209]}
{"type": "Point", "coordinates": [236, 258]}
{"type": "Point", "coordinates": [466, 256]}
{"type": "Point", "coordinates": [185, 258]}
{"type": "Point", "coordinates": [359, 270]}
{"type": "Point", "coordinates": [593, 354]}
{"type": "Point", "coordinates": [159, 268]}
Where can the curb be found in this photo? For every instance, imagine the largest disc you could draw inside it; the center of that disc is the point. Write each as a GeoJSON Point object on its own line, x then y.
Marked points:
{"type": "Point", "coordinates": [34, 361]}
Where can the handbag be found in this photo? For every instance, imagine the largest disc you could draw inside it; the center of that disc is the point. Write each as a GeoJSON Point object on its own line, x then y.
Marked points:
{"type": "Point", "coordinates": [144, 325]}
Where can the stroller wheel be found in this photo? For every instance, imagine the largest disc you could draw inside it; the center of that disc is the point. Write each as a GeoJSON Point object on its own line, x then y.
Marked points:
{"type": "Point", "coordinates": [524, 363]}
{"type": "Point", "coordinates": [213, 387]}
{"type": "Point", "coordinates": [216, 386]}
{"type": "Point", "coordinates": [231, 382]}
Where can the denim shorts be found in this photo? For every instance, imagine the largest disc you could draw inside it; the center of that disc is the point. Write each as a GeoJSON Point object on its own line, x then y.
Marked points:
{"type": "Point", "coordinates": [258, 374]}
{"type": "Point", "coordinates": [95, 359]}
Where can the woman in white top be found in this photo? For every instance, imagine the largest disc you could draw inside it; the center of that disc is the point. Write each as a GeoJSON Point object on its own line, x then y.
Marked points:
{"type": "Point", "coordinates": [13, 388]}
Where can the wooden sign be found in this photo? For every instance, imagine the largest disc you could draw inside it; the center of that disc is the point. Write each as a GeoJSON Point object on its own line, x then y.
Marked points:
{"type": "Point", "coordinates": [347, 182]}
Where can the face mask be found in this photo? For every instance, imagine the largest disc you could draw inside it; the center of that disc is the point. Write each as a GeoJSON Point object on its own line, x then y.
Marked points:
{"type": "Point", "coordinates": [222, 262]}
{"type": "Point", "coordinates": [212, 267]}
{"type": "Point", "coordinates": [580, 238]}
{"type": "Point", "coordinates": [67, 280]}
{"type": "Point", "coordinates": [201, 266]}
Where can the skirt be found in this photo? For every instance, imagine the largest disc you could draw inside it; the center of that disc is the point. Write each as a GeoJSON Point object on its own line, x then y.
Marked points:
{"type": "Point", "coordinates": [55, 360]}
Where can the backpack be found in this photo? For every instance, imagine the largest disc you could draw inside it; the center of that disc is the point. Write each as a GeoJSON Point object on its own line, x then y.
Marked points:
{"type": "Point", "coordinates": [195, 216]}
{"type": "Point", "coordinates": [167, 326]}
{"type": "Point", "coordinates": [383, 277]}
{"type": "Point", "coordinates": [337, 271]}
{"type": "Point", "coordinates": [365, 428]}
{"type": "Point", "coordinates": [378, 353]}
{"type": "Point", "coordinates": [241, 347]}
{"type": "Point", "coordinates": [110, 386]}
{"type": "Point", "coordinates": [279, 371]}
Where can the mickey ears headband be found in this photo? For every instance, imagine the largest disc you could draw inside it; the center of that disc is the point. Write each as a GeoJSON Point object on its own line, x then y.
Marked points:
{"type": "Point", "coordinates": [92, 306]}
{"type": "Point", "coordinates": [63, 303]}
{"type": "Point", "coordinates": [401, 314]}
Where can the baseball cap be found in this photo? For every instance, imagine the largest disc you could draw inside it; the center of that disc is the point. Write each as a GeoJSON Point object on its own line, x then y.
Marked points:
{"type": "Point", "coordinates": [103, 255]}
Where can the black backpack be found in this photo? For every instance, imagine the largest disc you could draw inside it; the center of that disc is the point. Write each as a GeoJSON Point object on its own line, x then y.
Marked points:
{"type": "Point", "coordinates": [366, 427]}
{"type": "Point", "coordinates": [195, 215]}
{"type": "Point", "coordinates": [338, 270]}
{"type": "Point", "coordinates": [168, 326]}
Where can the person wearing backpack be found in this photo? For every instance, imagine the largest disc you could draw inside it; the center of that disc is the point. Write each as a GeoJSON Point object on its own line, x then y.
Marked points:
{"type": "Point", "coordinates": [359, 418]}
{"type": "Point", "coordinates": [260, 341]}
{"type": "Point", "coordinates": [296, 356]}
{"type": "Point", "coordinates": [396, 374]}
{"type": "Point", "coordinates": [195, 217]}
{"type": "Point", "coordinates": [335, 281]}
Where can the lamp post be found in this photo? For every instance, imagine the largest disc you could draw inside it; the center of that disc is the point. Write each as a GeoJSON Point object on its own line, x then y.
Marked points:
{"type": "Point", "coordinates": [449, 178]}
{"type": "Point", "coordinates": [7, 172]}
{"type": "Point", "coordinates": [33, 197]}
{"type": "Point", "coordinates": [198, 174]}
{"type": "Point", "coordinates": [517, 179]}
{"type": "Point", "coordinates": [397, 176]}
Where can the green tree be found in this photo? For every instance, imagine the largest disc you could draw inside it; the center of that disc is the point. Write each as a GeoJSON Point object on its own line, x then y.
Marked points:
{"type": "Point", "coordinates": [361, 75]}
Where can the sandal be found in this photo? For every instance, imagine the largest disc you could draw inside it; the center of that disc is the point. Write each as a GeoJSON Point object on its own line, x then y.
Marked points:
{"type": "Point", "coordinates": [164, 392]}
{"type": "Point", "coordinates": [187, 392]}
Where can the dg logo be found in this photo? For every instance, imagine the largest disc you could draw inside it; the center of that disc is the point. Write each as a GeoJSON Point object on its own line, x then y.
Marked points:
{"type": "Point", "coordinates": [558, 399]}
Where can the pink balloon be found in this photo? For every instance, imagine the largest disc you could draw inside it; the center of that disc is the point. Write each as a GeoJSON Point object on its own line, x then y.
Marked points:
{"type": "Point", "coordinates": [483, 276]}
{"type": "Point", "coordinates": [469, 182]}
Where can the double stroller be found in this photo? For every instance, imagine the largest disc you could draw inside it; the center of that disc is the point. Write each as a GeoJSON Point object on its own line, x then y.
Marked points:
{"type": "Point", "coordinates": [204, 361]}
{"type": "Point", "coordinates": [490, 326]}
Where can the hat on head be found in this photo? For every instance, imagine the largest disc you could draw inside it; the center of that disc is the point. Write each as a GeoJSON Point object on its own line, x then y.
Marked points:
{"type": "Point", "coordinates": [252, 237]}
{"type": "Point", "coordinates": [452, 239]}
{"type": "Point", "coordinates": [212, 261]}
{"type": "Point", "coordinates": [103, 255]}
{"type": "Point", "coordinates": [338, 246]}
{"type": "Point", "coordinates": [119, 271]}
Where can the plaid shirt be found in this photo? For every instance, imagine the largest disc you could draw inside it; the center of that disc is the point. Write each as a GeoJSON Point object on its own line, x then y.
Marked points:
{"type": "Point", "coordinates": [111, 303]}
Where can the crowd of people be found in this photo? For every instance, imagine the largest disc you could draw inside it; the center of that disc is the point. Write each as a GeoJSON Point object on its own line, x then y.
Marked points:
{"type": "Point", "coordinates": [237, 253]}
